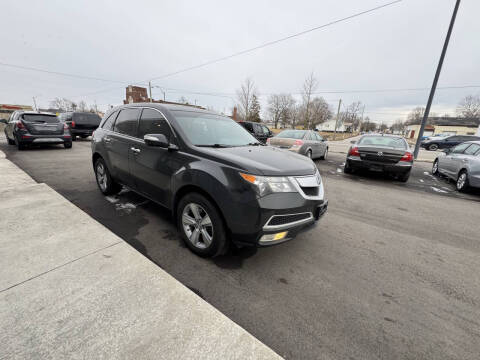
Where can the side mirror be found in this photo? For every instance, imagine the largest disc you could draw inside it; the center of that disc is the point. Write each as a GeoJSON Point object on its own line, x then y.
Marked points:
{"type": "Point", "coordinates": [447, 151]}
{"type": "Point", "coordinates": [158, 140]}
{"type": "Point", "coordinates": [4, 121]}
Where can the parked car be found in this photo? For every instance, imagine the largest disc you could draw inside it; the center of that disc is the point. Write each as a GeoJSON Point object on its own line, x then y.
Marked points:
{"type": "Point", "coordinates": [26, 128]}
{"type": "Point", "coordinates": [81, 124]}
{"type": "Point", "coordinates": [304, 142]}
{"type": "Point", "coordinates": [220, 183]}
{"type": "Point", "coordinates": [447, 142]}
{"type": "Point", "coordinates": [462, 164]}
{"type": "Point", "coordinates": [381, 153]}
{"type": "Point", "coordinates": [261, 132]}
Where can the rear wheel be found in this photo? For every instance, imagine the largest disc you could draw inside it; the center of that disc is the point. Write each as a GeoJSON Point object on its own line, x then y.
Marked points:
{"type": "Point", "coordinates": [68, 145]}
{"type": "Point", "coordinates": [105, 182]}
{"type": "Point", "coordinates": [347, 168]}
{"type": "Point", "coordinates": [405, 176]}
{"type": "Point", "coordinates": [435, 167]}
{"type": "Point", "coordinates": [83, 136]}
{"type": "Point", "coordinates": [432, 147]}
{"type": "Point", "coordinates": [325, 154]}
{"type": "Point", "coordinates": [462, 181]}
{"type": "Point", "coordinates": [74, 137]}
{"type": "Point", "coordinates": [20, 146]}
{"type": "Point", "coordinates": [10, 142]}
{"type": "Point", "coordinates": [201, 226]}
{"type": "Point", "coordinates": [309, 154]}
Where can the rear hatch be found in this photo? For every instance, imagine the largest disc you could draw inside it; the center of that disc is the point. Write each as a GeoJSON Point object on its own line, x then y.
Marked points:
{"type": "Point", "coordinates": [42, 124]}
{"type": "Point", "coordinates": [284, 143]}
{"type": "Point", "coordinates": [383, 155]}
{"type": "Point", "coordinates": [86, 121]}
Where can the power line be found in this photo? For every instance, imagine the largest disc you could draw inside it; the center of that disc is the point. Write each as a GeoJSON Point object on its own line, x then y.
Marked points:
{"type": "Point", "coordinates": [276, 41]}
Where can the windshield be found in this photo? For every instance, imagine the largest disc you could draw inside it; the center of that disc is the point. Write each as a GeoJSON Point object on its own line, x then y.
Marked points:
{"type": "Point", "coordinates": [212, 130]}
{"type": "Point", "coordinates": [292, 134]}
{"type": "Point", "coordinates": [87, 118]}
{"type": "Point", "coordinates": [40, 118]}
{"type": "Point", "coordinates": [383, 141]}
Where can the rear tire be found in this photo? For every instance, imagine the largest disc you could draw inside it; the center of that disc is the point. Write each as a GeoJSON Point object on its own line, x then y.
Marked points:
{"type": "Point", "coordinates": [325, 154]}
{"type": "Point", "coordinates": [9, 141]}
{"type": "Point", "coordinates": [347, 169]}
{"type": "Point", "coordinates": [68, 145]}
{"type": "Point", "coordinates": [105, 182]}
{"type": "Point", "coordinates": [462, 184]}
{"type": "Point", "coordinates": [404, 177]}
{"type": "Point", "coordinates": [20, 146]}
{"type": "Point", "coordinates": [202, 230]}
{"type": "Point", "coordinates": [309, 154]}
{"type": "Point", "coordinates": [432, 147]}
{"type": "Point", "coordinates": [83, 136]}
{"type": "Point", "coordinates": [74, 137]}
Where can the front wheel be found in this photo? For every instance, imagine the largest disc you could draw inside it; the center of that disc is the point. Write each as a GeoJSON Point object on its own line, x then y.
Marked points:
{"type": "Point", "coordinates": [105, 182]}
{"type": "Point", "coordinates": [462, 181]}
{"type": "Point", "coordinates": [435, 167]}
{"type": "Point", "coordinates": [201, 226]}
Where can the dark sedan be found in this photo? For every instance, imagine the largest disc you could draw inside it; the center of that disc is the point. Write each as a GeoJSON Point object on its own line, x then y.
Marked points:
{"type": "Point", "coordinates": [380, 153]}
{"type": "Point", "coordinates": [447, 142]}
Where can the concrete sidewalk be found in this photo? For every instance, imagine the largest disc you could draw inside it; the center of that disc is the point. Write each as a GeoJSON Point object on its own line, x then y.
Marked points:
{"type": "Point", "coordinates": [70, 288]}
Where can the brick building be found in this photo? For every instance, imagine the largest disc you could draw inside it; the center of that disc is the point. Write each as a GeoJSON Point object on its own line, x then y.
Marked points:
{"type": "Point", "coordinates": [138, 94]}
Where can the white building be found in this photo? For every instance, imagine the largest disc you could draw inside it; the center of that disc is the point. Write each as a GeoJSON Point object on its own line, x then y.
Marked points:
{"type": "Point", "coordinates": [330, 126]}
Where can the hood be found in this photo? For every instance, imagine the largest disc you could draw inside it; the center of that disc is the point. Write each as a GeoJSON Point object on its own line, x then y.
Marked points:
{"type": "Point", "coordinates": [262, 160]}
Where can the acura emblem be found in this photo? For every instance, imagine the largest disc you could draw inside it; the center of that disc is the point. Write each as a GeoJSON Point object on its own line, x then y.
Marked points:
{"type": "Point", "coordinates": [380, 153]}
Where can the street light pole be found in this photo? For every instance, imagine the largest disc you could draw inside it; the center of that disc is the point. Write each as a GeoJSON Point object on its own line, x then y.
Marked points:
{"type": "Point", "coordinates": [435, 81]}
{"type": "Point", "coordinates": [150, 90]}
{"type": "Point", "coordinates": [336, 120]}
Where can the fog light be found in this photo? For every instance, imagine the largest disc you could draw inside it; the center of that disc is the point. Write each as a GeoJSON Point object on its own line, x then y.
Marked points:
{"type": "Point", "coordinates": [273, 237]}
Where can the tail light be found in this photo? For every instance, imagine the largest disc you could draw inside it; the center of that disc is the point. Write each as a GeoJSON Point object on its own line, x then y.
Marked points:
{"type": "Point", "coordinates": [73, 123]}
{"type": "Point", "coordinates": [65, 127]}
{"type": "Point", "coordinates": [354, 151]}
{"type": "Point", "coordinates": [408, 156]}
{"type": "Point", "coordinates": [20, 125]}
{"type": "Point", "coordinates": [298, 143]}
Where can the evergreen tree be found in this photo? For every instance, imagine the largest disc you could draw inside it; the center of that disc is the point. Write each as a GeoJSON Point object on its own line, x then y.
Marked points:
{"type": "Point", "coordinates": [254, 113]}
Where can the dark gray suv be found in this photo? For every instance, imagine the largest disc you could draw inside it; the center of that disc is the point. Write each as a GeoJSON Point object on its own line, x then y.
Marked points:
{"type": "Point", "coordinates": [220, 183]}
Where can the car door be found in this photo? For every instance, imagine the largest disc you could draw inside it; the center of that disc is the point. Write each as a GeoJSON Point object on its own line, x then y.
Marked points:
{"type": "Point", "coordinates": [464, 159]}
{"type": "Point", "coordinates": [120, 143]}
{"type": "Point", "coordinates": [11, 125]}
{"type": "Point", "coordinates": [153, 167]}
{"type": "Point", "coordinates": [322, 144]}
{"type": "Point", "coordinates": [257, 128]}
{"type": "Point", "coordinates": [449, 162]}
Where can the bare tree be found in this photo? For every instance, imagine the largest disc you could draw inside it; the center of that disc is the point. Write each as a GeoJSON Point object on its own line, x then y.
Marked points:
{"type": "Point", "coordinates": [319, 112]}
{"type": "Point", "coordinates": [398, 127]}
{"type": "Point", "coordinates": [309, 86]}
{"type": "Point", "coordinates": [183, 100]}
{"type": "Point", "coordinates": [82, 106]}
{"type": "Point", "coordinates": [245, 98]}
{"type": "Point", "coordinates": [288, 105]}
{"type": "Point", "coordinates": [352, 114]}
{"type": "Point", "coordinates": [469, 107]}
{"type": "Point", "coordinates": [415, 116]}
{"type": "Point", "coordinates": [274, 108]}
{"type": "Point", "coordinates": [63, 104]}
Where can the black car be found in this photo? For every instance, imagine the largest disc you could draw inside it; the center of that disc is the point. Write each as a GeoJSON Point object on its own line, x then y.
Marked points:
{"type": "Point", "coordinates": [34, 128]}
{"type": "Point", "coordinates": [261, 132]}
{"type": "Point", "coordinates": [447, 142]}
{"type": "Point", "coordinates": [81, 124]}
{"type": "Point", "coordinates": [219, 182]}
{"type": "Point", "coordinates": [380, 153]}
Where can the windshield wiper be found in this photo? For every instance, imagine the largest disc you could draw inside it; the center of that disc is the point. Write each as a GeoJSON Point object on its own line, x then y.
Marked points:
{"type": "Point", "coordinates": [215, 145]}
{"type": "Point", "coordinates": [255, 144]}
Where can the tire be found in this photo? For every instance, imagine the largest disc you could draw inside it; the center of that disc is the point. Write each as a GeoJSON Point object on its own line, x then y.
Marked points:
{"type": "Point", "coordinates": [68, 145]}
{"type": "Point", "coordinates": [20, 146]}
{"type": "Point", "coordinates": [404, 177]}
{"type": "Point", "coordinates": [210, 240]}
{"type": "Point", "coordinates": [347, 169]}
{"type": "Point", "coordinates": [105, 182]}
{"type": "Point", "coordinates": [74, 137]}
{"type": "Point", "coordinates": [9, 141]}
{"type": "Point", "coordinates": [325, 154]}
{"type": "Point", "coordinates": [435, 168]}
{"type": "Point", "coordinates": [309, 154]}
{"type": "Point", "coordinates": [83, 136]}
{"type": "Point", "coordinates": [462, 184]}
{"type": "Point", "coordinates": [432, 147]}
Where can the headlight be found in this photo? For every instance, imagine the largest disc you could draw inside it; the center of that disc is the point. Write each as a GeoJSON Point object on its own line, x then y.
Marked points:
{"type": "Point", "coordinates": [265, 185]}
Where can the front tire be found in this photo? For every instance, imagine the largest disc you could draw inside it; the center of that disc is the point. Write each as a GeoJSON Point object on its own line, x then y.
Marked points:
{"type": "Point", "coordinates": [105, 182]}
{"type": "Point", "coordinates": [325, 154]}
{"type": "Point", "coordinates": [201, 226]}
{"type": "Point", "coordinates": [432, 147]}
{"type": "Point", "coordinates": [462, 184]}
{"type": "Point", "coordinates": [435, 168]}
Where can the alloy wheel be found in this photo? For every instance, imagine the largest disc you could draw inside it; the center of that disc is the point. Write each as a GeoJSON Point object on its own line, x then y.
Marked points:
{"type": "Point", "coordinates": [102, 176]}
{"type": "Point", "coordinates": [309, 154]}
{"type": "Point", "coordinates": [435, 167]}
{"type": "Point", "coordinates": [197, 225]}
{"type": "Point", "coordinates": [461, 181]}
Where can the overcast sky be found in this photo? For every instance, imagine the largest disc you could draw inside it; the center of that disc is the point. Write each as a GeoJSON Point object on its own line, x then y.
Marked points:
{"type": "Point", "coordinates": [132, 41]}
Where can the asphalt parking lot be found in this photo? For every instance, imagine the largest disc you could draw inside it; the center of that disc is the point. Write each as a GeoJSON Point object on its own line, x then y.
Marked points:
{"type": "Point", "coordinates": [390, 272]}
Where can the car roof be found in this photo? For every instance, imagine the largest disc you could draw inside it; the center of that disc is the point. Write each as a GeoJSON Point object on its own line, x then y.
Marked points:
{"type": "Point", "coordinates": [169, 107]}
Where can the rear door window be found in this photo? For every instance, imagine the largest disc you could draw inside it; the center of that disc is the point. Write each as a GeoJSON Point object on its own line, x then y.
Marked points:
{"type": "Point", "coordinates": [127, 122]}
{"type": "Point", "coordinates": [108, 124]}
{"type": "Point", "coordinates": [152, 122]}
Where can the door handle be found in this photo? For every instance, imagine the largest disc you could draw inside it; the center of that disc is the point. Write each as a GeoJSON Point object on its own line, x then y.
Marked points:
{"type": "Point", "coordinates": [107, 140]}
{"type": "Point", "coordinates": [135, 150]}
{"type": "Point", "coordinates": [464, 160]}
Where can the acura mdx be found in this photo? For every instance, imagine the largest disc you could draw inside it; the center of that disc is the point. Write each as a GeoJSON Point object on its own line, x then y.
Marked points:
{"type": "Point", "coordinates": [220, 183]}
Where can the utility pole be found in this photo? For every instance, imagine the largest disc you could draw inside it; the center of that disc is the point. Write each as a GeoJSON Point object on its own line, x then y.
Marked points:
{"type": "Point", "coordinates": [435, 80]}
{"type": "Point", "coordinates": [361, 121]}
{"type": "Point", "coordinates": [35, 103]}
{"type": "Point", "coordinates": [336, 120]}
{"type": "Point", "coordinates": [150, 90]}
